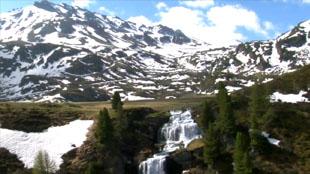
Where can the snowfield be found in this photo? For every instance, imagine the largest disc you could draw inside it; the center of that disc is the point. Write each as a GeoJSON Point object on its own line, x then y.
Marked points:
{"type": "Point", "coordinates": [56, 141]}
{"type": "Point", "coordinates": [289, 98]}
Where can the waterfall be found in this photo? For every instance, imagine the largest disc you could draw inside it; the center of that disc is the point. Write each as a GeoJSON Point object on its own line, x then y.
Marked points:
{"type": "Point", "coordinates": [177, 133]}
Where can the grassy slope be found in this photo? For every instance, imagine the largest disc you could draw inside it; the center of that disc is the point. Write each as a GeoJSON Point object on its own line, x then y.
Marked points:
{"type": "Point", "coordinates": [289, 117]}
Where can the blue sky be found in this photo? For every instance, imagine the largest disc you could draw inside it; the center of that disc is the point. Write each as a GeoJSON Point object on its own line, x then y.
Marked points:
{"type": "Point", "coordinates": [214, 21]}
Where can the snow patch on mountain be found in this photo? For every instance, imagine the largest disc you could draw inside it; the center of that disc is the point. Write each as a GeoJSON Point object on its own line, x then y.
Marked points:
{"type": "Point", "coordinates": [103, 54]}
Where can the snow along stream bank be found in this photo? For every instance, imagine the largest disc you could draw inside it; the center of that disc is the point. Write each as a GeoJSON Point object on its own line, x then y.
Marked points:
{"type": "Point", "coordinates": [178, 132]}
{"type": "Point", "coordinates": [56, 141]}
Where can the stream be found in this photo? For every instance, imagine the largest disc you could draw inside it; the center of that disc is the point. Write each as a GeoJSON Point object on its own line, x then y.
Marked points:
{"type": "Point", "coordinates": [177, 133]}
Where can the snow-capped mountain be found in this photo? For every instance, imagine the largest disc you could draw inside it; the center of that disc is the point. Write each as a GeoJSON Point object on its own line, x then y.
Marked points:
{"type": "Point", "coordinates": [59, 52]}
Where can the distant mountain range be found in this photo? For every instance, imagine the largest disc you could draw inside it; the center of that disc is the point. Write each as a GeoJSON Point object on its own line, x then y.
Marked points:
{"type": "Point", "coordinates": [56, 52]}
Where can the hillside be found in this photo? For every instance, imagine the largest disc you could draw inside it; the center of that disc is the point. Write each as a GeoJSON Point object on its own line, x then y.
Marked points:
{"type": "Point", "coordinates": [286, 122]}
{"type": "Point", "coordinates": [57, 52]}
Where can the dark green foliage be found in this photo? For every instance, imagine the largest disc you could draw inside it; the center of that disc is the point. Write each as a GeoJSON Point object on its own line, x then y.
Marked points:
{"type": "Point", "coordinates": [212, 146]}
{"type": "Point", "coordinates": [121, 121]}
{"type": "Point", "coordinates": [242, 164]}
{"type": "Point", "coordinates": [259, 101]}
{"type": "Point", "coordinates": [226, 121]}
{"type": "Point", "coordinates": [91, 169]}
{"type": "Point", "coordinates": [104, 129]}
{"type": "Point", "coordinates": [255, 136]}
{"type": "Point", "coordinates": [246, 161]}
{"type": "Point", "coordinates": [206, 116]}
{"type": "Point", "coordinates": [116, 98]}
{"type": "Point", "coordinates": [257, 107]}
{"type": "Point", "coordinates": [291, 82]}
{"type": "Point", "coordinates": [120, 109]}
{"type": "Point", "coordinates": [268, 118]}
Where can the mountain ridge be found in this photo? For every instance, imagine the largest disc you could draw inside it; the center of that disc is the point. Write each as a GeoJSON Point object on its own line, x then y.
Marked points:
{"type": "Point", "coordinates": [67, 53]}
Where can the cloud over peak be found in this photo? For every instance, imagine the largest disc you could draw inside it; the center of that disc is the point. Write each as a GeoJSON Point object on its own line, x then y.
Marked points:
{"type": "Point", "coordinates": [218, 25]}
{"type": "Point", "coordinates": [198, 3]}
{"type": "Point", "coordinates": [82, 3]}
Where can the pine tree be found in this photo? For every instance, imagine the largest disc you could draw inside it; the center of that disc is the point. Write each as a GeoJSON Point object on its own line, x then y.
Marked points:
{"type": "Point", "coordinates": [257, 106]}
{"type": "Point", "coordinates": [239, 153]}
{"type": "Point", "coordinates": [121, 120]}
{"type": "Point", "coordinates": [212, 146]}
{"type": "Point", "coordinates": [91, 169]}
{"type": "Point", "coordinates": [242, 163]}
{"type": "Point", "coordinates": [248, 168]}
{"type": "Point", "coordinates": [116, 99]}
{"type": "Point", "coordinates": [119, 109]}
{"type": "Point", "coordinates": [269, 118]}
{"type": "Point", "coordinates": [104, 129]}
{"type": "Point", "coordinates": [226, 120]}
{"type": "Point", "coordinates": [254, 134]}
{"type": "Point", "coordinates": [259, 102]}
{"type": "Point", "coordinates": [43, 164]}
{"type": "Point", "coordinates": [206, 117]}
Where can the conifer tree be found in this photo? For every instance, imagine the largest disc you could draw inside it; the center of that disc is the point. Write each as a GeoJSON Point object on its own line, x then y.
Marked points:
{"type": "Point", "coordinates": [104, 129]}
{"type": "Point", "coordinates": [257, 106]}
{"type": "Point", "coordinates": [242, 162]}
{"type": "Point", "coordinates": [91, 168]}
{"type": "Point", "coordinates": [258, 101]}
{"type": "Point", "coordinates": [248, 168]}
{"type": "Point", "coordinates": [119, 109]}
{"type": "Point", "coordinates": [239, 153]}
{"type": "Point", "coordinates": [121, 120]}
{"type": "Point", "coordinates": [206, 117]}
{"type": "Point", "coordinates": [226, 120]}
{"type": "Point", "coordinates": [212, 146]}
{"type": "Point", "coordinates": [116, 99]}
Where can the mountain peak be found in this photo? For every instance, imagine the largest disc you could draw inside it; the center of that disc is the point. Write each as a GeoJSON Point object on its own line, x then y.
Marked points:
{"type": "Point", "coordinates": [73, 50]}
{"type": "Point", "coordinates": [45, 5]}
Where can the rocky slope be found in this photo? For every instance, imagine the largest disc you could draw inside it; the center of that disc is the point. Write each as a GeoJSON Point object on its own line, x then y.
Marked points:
{"type": "Point", "coordinates": [51, 52]}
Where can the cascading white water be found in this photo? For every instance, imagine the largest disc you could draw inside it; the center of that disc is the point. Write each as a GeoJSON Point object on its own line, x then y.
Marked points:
{"type": "Point", "coordinates": [177, 133]}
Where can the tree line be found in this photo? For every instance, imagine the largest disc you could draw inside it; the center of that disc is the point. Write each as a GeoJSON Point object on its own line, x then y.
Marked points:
{"type": "Point", "coordinates": [222, 136]}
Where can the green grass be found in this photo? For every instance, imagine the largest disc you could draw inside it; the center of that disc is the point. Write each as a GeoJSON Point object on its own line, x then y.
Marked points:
{"type": "Point", "coordinates": [90, 109]}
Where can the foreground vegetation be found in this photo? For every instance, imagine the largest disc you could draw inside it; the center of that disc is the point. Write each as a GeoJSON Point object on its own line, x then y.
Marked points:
{"type": "Point", "coordinates": [233, 126]}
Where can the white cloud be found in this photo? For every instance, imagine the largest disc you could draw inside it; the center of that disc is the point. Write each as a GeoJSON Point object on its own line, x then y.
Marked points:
{"type": "Point", "coordinates": [161, 5]}
{"type": "Point", "coordinates": [107, 11]}
{"type": "Point", "coordinates": [232, 17]}
{"type": "Point", "coordinates": [306, 1]}
{"type": "Point", "coordinates": [219, 25]}
{"type": "Point", "coordinates": [82, 3]}
{"type": "Point", "coordinates": [140, 20]}
{"type": "Point", "coordinates": [268, 25]}
{"type": "Point", "coordinates": [198, 3]}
